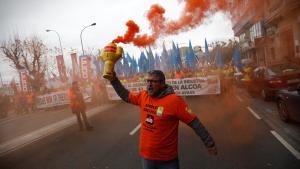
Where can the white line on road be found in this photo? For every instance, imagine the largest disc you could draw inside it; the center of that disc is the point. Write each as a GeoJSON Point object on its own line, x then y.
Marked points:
{"type": "Point", "coordinates": [239, 98]}
{"type": "Point", "coordinates": [26, 139]}
{"type": "Point", "coordinates": [40, 133]}
{"type": "Point", "coordinates": [5, 121]}
{"type": "Point", "coordinates": [286, 144]}
{"type": "Point", "coordinates": [253, 113]}
{"type": "Point", "coordinates": [135, 129]}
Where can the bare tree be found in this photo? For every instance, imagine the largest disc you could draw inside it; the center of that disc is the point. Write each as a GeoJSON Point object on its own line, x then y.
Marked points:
{"type": "Point", "coordinates": [27, 54]}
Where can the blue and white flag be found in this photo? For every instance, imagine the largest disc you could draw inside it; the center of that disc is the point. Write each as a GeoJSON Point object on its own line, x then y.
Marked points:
{"type": "Point", "coordinates": [206, 53]}
{"type": "Point", "coordinates": [237, 59]}
{"type": "Point", "coordinates": [219, 58]}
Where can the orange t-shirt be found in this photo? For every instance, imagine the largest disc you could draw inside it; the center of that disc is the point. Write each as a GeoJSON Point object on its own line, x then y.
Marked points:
{"type": "Point", "coordinates": [159, 124]}
{"type": "Point", "coordinates": [76, 100]}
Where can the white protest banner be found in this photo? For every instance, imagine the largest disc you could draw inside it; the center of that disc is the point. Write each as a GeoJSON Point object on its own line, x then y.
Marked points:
{"type": "Point", "coordinates": [196, 86]}
{"type": "Point", "coordinates": [52, 100]}
{"type": "Point", "coordinates": [183, 87]}
{"type": "Point", "coordinates": [57, 99]}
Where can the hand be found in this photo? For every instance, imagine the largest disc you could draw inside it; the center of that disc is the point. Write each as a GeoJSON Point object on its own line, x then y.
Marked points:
{"type": "Point", "coordinates": [212, 150]}
{"type": "Point", "coordinates": [113, 77]}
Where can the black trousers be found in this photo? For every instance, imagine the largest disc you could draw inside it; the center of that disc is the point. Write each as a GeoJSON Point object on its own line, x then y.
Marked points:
{"type": "Point", "coordinates": [81, 118]}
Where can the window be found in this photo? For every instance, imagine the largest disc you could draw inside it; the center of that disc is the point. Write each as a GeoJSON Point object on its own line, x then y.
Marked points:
{"type": "Point", "coordinates": [256, 31]}
{"type": "Point", "coordinates": [242, 37]}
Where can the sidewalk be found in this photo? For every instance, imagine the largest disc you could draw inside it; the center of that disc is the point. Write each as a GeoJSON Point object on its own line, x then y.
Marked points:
{"type": "Point", "coordinates": [36, 131]}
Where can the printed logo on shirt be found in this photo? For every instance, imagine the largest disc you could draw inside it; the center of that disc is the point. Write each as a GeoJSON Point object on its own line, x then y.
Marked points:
{"type": "Point", "coordinates": [189, 110]}
{"type": "Point", "coordinates": [150, 119]}
{"type": "Point", "coordinates": [159, 111]}
{"type": "Point", "coordinates": [150, 109]}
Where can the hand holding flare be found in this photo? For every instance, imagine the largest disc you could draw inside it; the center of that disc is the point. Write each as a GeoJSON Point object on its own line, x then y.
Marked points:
{"type": "Point", "coordinates": [110, 55]}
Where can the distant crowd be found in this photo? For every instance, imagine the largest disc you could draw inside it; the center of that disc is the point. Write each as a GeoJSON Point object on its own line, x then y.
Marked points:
{"type": "Point", "coordinates": [24, 102]}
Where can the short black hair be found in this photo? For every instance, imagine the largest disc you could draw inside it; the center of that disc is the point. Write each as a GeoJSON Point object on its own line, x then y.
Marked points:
{"type": "Point", "coordinates": [158, 73]}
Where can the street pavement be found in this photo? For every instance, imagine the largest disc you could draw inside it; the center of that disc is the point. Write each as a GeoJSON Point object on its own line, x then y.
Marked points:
{"type": "Point", "coordinates": [247, 137]}
{"type": "Point", "coordinates": [21, 130]}
{"type": "Point", "coordinates": [268, 112]}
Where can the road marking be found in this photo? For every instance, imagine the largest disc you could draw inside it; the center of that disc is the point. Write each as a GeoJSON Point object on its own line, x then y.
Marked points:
{"type": "Point", "coordinates": [20, 116]}
{"type": "Point", "coordinates": [239, 98]}
{"type": "Point", "coordinates": [269, 110]}
{"type": "Point", "coordinates": [26, 139]}
{"type": "Point", "coordinates": [253, 113]}
{"type": "Point", "coordinates": [286, 144]}
{"type": "Point", "coordinates": [135, 129]}
{"type": "Point", "coordinates": [5, 121]}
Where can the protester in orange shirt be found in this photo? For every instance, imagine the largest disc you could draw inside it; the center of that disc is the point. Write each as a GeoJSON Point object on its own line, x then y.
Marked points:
{"type": "Point", "coordinates": [161, 111]}
{"type": "Point", "coordinates": [30, 101]}
{"type": "Point", "coordinates": [78, 106]}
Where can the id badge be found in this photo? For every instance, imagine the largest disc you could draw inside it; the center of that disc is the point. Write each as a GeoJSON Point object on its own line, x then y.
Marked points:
{"type": "Point", "coordinates": [160, 111]}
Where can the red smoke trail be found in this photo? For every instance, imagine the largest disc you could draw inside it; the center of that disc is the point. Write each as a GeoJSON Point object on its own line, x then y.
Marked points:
{"type": "Point", "coordinates": [133, 28]}
{"type": "Point", "coordinates": [156, 19]}
{"type": "Point", "coordinates": [193, 14]}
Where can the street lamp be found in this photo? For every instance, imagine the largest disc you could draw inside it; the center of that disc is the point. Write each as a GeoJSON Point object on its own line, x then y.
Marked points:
{"type": "Point", "coordinates": [48, 30]}
{"type": "Point", "coordinates": [93, 24]}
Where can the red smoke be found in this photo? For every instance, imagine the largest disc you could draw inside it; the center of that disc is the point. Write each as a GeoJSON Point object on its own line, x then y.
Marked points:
{"type": "Point", "coordinates": [192, 15]}
{"type": "Point", "coordinates": [156, 19]}
{"type": "Point", "coordinates": [133, 28]}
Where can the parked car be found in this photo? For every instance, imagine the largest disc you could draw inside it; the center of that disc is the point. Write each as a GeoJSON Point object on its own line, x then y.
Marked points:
{"type": "Point", "coordinates": [266, 81]}
{"type": "Point", "coordinates": [288, 104]}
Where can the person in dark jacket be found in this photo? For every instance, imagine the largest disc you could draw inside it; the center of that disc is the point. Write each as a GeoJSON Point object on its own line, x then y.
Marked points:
{"type": "Point", "coordinates": [161, 111]}
{"type": "Point", "coordinates": [78, 106]}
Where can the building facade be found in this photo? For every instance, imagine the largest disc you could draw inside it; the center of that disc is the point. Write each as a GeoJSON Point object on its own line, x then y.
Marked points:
{"type": "Point", "coordinates": [269, 30]}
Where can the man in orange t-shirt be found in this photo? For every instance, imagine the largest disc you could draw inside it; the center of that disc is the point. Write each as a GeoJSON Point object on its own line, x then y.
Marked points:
{"type": "Point", "coordinates": [161, 110]}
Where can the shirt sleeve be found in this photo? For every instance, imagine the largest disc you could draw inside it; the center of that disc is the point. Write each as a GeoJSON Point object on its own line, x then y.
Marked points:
{"type": "Point", "coordinates": [135, 98]}
{"type": "Point", "coordinates": [184, 113]}
{"type": "Point", "coordinates": [122, 92]}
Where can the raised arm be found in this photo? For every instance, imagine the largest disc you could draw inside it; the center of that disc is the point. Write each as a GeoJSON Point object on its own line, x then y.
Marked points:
{"type": "Point", "coordinates": [122, 92]}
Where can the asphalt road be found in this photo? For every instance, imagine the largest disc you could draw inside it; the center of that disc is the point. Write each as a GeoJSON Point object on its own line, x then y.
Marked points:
{"type": "Point", "coordinates": [244, 141]}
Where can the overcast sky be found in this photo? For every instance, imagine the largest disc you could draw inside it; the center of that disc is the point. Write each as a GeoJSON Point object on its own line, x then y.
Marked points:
{"type": "Point", "coordinates": [68, 17]}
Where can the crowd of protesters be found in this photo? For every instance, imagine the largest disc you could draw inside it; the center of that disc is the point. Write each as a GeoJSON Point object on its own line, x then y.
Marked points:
{"type": "Point", "coordinates": [5, 105]}
{"type": "Point", "coordinates": [25, 102]}
{"type": "Point", "coordinates": [226, 74]}
{"type": "Point", "coordinates": [20, 103]}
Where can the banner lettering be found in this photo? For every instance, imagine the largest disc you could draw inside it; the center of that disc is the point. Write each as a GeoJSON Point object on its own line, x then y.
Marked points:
{"type": "Point", "coordinates": [85, 67]}
{"type": "Point", "coordinates": [58, 99]}
{"type": "Point", "coordinates": [183, 87]}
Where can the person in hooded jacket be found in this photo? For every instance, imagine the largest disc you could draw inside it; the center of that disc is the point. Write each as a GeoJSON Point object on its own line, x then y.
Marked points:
{"type": "Point", "coordinates": [161, 110]}
{"type": "Point", "coordinates": [78, 106]}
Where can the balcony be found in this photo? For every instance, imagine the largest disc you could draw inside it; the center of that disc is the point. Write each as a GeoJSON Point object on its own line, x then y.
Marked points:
{"type": "Point", "coordinates": [244, 23]}
{"type": "Point", "coordinates": [278, 8]}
